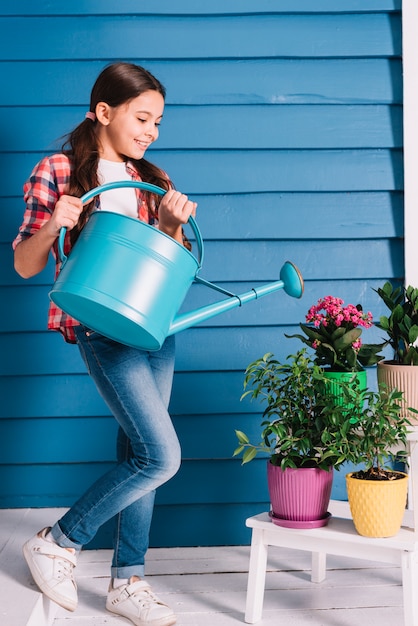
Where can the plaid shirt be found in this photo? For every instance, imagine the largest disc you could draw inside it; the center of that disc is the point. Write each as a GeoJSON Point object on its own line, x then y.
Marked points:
{"type": "Point", "coordinates": [48, 181]}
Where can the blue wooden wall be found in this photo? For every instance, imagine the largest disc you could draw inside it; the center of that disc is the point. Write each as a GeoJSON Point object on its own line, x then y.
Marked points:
{"type": "Point", "coordinates": [284, 121]}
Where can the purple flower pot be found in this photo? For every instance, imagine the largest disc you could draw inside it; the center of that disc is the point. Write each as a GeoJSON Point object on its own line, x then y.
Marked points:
{"type": "Point", "coordinates": [299, 495]}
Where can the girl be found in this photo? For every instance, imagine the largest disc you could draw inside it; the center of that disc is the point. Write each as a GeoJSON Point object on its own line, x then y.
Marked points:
{"type": "Point", "coordinates": [126, 108]}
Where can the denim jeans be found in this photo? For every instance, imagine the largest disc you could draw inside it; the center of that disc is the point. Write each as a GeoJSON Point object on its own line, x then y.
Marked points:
{"type": "Point", "coordinates": [136, 386]}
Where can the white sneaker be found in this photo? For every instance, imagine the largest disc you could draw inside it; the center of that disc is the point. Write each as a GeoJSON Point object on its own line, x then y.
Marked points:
{"type": "Point", "coordinates": [52, 569]}
{"type": "Point", "coordinates": [137, 602]}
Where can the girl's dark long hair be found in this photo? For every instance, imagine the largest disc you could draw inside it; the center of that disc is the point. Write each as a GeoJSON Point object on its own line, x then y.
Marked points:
{"type": "Point", "coordinates": [116, 84]}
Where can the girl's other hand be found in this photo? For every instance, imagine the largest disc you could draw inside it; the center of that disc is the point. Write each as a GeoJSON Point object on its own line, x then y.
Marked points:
{"type": "Point", "coordinates": [31, 254]}
{"type": "Point", "coordinates": [174, 210]}
{"type": "Point", "coordinates": [66, 214]}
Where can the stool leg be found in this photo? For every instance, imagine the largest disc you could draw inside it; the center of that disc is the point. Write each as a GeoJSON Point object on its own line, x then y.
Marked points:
{"type": "Point", "coordinates": [319, 567]}
{"type": "Point", "coordinates": [410, 585]}
{"type": "Point", "coordinates": [256, 577]}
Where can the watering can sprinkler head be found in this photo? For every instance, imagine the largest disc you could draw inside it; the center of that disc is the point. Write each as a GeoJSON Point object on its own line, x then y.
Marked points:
{"type": "Point", "coordinates": [292, 279]}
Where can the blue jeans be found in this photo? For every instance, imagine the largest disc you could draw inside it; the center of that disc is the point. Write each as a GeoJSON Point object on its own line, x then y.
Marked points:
{"type": "Point", "coordinates": [136, 385]}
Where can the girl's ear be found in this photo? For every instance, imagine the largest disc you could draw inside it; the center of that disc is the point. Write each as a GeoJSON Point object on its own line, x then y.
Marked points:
{"type": "Point", "coordinates": [103, 113]}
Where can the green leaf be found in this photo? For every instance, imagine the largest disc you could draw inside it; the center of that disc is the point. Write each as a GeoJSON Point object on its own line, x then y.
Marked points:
{"type": "Point", "coordinates": [383, 322]}
{"type": "Point", "coordinates": [248, 455]}
{"type": "Point", "coordinates": [413, 334]}
{"type": "Point", "coordinates": [338, 332]}
{"type": "Point", "coordinates": [310, 331]}
{"type": "Point", "coordinates": [347, 339]}
{"type": "Point", "coordinates": [397, 314]}
{"type": "Point", "coordinates": [238, 450]}
{"type": "Point", "coordinates": [242, 437]}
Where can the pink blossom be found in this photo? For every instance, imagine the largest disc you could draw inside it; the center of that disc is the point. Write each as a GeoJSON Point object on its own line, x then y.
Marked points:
{"type": "Point", "coordinates": [330, 311]}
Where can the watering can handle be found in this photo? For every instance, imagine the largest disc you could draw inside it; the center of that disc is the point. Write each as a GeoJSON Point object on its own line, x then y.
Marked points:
{"type": "Point", "coordinates": [139, 185]}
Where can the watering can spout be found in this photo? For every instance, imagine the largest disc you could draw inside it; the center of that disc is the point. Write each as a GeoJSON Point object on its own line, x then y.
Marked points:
{"type": "Point", "coordinates": [290, 280]}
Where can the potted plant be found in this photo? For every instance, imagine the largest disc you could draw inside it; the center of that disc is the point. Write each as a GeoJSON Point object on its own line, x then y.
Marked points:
{"type": "Point", "coordinates": [377, 494]}
{"type": "Point", "coordinates": [304, 433]}
{"type": "Point", "coordinates": [333, 331]}
{"type": "Point", "coordinates": [401, 327]}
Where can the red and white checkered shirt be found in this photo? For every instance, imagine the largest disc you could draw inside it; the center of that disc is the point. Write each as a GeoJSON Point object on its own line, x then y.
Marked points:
{"type": "Point", "coordinates": [48, 181]}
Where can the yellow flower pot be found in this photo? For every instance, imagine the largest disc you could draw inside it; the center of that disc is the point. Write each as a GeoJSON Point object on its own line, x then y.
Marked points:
{"type": "Point", "coordinates": [377, 506]}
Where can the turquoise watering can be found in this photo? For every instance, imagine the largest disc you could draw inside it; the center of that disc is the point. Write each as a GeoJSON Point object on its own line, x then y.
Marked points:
{"type": "Point", "coordinates": [127, 280]}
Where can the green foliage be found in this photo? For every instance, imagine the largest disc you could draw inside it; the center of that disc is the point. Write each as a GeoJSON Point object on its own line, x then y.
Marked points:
{"type": "Point", "coordinates": [302, 425]}
{"type": "Point", "coordinates": [381, 431]}
{"type": "Point", "coordinates": [401, 325]}
{"type": "Point", "coordinates": [334, 348]}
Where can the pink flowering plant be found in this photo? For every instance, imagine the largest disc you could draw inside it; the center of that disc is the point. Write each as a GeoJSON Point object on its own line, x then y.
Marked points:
{"type": "Point", "coordinates": [333, 331]}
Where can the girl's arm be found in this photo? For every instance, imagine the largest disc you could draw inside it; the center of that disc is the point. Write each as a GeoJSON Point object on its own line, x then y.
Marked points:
{"type": "Point", "coordinates": [31, 254]}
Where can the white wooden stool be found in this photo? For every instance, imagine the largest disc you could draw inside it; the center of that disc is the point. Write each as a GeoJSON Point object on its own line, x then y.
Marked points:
{"type": "Point", "coordinates": [339, 537]}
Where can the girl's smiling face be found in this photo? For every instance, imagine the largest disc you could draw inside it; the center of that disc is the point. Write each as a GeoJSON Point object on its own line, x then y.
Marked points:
{"type": "Point", "coordinates": [126, 131]}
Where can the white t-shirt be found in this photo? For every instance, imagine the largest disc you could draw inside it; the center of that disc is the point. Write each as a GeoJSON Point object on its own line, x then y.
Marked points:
{"type": "Point", "coordinates": [122, 200]}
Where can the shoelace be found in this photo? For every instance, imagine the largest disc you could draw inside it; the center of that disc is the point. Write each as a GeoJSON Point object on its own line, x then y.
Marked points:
{"type": "Point", "coordinates": [146, 602]}
{"type": "Point", "coordinates": [65, 569]}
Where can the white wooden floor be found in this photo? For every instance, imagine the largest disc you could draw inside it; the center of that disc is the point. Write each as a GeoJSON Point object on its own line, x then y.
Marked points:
{"type": "Point", "coordinates": [205, 586]}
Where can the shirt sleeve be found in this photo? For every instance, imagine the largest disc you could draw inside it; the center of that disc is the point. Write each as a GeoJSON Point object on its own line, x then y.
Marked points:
{"type": "Point", "coordinates": [40, 195]}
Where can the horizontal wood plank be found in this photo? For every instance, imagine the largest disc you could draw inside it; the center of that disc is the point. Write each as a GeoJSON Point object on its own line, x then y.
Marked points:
{"type": "Point", "coordinates": [66, 482]}
{"type": "Point", "coordinates": [345, 215]}
{"type": "Point", "coordinates": [284, 170]}
{"type": "Point", "coordinates": [226, 521]}
{"type": "Point", "coordinates": [210, 82]}
{"type": "Point", "coordinates": [265, 126]}
{"type": "Point", "coordinates": [75, 395]}
{"type": "Point", "coordinates": [189, 7]}
{"type": "Point", "coordinates": [94, 438]}
{"type": "Point", "coordinates": [338, 35]}
{"type": "Point", "coordinates": [249, 171]}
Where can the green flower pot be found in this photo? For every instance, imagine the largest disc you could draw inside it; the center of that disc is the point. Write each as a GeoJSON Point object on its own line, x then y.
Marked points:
{"type": "Point", "coordinates": [336, 377]}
